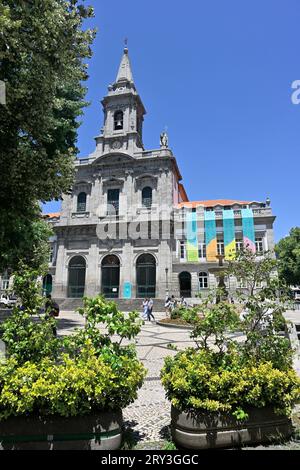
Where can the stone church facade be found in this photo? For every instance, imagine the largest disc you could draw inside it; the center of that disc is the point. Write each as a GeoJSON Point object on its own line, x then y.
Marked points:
{"type": "Point", "coordinates": [128, 230]}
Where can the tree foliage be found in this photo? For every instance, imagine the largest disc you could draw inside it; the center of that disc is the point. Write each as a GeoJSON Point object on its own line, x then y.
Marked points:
{"type": "Point", "coordinates": [43, 49]}
{"type": "Point", "coordinates": [230, 375]}
{"type": "Point", "coordinates": [252, 269]}
{"type": "Point", "coordinates": [288, 252]}
{"type": "Point", "coordinates": [28, 333]}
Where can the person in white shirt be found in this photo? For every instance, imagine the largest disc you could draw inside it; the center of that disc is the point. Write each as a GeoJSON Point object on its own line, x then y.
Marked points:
{"type": "Point", "coordinates": [145, 309]}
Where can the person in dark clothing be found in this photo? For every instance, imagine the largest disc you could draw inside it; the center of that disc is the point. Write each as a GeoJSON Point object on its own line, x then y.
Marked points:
{"type": "Point", "coordinates": [52, 311]}
{"type": "Point", "coordinates": [149, 310]}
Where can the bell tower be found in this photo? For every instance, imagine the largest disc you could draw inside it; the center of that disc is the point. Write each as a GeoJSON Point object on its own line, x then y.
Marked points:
{"type": "Point", "coordinates": [123, 114]}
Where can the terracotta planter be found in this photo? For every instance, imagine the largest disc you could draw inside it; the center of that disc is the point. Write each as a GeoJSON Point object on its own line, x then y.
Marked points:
{"type": "Point", "coordinates": [216, 430]}
{"type": "Point", "coordinates": [97, 431]}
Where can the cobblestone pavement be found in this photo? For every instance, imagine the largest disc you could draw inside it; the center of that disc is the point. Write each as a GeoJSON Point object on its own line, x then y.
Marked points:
{"type": "Point", "coordinates": [149, 416]}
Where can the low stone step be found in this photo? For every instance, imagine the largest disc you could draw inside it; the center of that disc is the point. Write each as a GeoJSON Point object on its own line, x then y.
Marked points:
{"type": "Point", "coordinates": [123, 304]}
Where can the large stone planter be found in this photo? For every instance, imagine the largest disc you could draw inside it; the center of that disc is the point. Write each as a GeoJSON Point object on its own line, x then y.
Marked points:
{"type": "Point", "coordinates": [216, 430]}
{"type": "Point", "coordinates": [97, 431]}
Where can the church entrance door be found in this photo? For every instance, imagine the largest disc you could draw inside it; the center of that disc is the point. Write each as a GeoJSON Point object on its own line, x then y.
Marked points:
{"type": "Point", "coordinates": [145, 276]}
{"type": "Point", "coordinates": [76, 284]}
{"type": "Point", "coordinates": [110, 276]}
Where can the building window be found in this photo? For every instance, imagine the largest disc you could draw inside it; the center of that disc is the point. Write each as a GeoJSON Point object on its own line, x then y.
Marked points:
{"type": "Point", "coordinates": [47, 284]}
{"type": "Point", "coordinates": [220, 247]}
{"type": "Point", "coordinates": [118, 120]}
{"type": "Point", "coordinates": [81, 202]}
{"type": "Point", "coordinates": [242, 283]}
{"type": "Point", "coordinates": [113, 196]}
{"type": "Point", "coordinates": [239, 245]}
{"type": "Point", "coordinates": [202, 250]}
{"type": "Point", "coordinates": [147, 197]}
{"type": "Point", "coordinates": [5, 281]}
{"type": "Point", "coordinates": [182, 252]}
{"type": "Point", "coordinates": [259, 245]}
{"type": "Point", "coordinates": [203, 280]}
{"type": "Point", "coordinates": [51, 254]}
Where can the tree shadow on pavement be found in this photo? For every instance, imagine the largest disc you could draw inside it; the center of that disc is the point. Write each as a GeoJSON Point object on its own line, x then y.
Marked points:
{"type": "Point", "coordinates": [165, 433]}
{"type": "Point", "coordinates": [131, 436]}
{"type": "Point", "coordinates": [66, 323]}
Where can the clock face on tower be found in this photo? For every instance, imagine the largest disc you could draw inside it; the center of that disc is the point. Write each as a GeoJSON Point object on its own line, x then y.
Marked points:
{"type": "Point", "coordinates": [116, 144]}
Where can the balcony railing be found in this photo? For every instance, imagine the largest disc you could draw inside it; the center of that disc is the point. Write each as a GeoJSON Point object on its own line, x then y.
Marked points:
{"type": "Point", "coordinates": [263, 211]}
{"type": "Point", "coordinates": [147, 202]}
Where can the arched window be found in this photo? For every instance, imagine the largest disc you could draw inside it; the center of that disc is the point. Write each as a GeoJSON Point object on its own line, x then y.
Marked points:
{"type": "Point", "coordinates": [81, 202]}
{"type": "Point", "coordinates": [76, 284]}
{"type": "Point", "coordinates": [146, 276]}
{"type": "Point", "coordinates": [185, 284]}
{"type": "Point", "coordinates": [118, 120]}
{"type": "Point", "coordinates": [147, 197]}
{"type": "Point", "coordinates": [110, 270]}
{"type": "Point", "coordinates": [203, 280]}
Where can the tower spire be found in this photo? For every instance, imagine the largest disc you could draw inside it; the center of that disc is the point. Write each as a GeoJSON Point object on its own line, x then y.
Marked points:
{"type": "Point", "coordinates": [125, 72]}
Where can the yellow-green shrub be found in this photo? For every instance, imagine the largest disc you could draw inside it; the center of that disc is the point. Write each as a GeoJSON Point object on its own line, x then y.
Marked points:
{"type": "Point", "coordinates": [71, 387]}
{"type": "Point", "coordinates": [198, 380]}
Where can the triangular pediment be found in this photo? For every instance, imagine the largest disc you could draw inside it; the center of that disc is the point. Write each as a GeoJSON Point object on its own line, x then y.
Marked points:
{"type": "Point", "coordinates": [113, 158]}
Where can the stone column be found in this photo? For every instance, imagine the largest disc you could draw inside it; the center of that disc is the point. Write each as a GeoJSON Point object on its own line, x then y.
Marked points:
{"type": "Point", "coordinates": [163, 277]}
{"type": "Point", "coordinates": [92, 276]}
{"type": "Point", "coordinates": [126, 269]}
{"type": "Point", "coordinates": [61, 273]}
{"type": "Point", "coordinates": [194, 284]}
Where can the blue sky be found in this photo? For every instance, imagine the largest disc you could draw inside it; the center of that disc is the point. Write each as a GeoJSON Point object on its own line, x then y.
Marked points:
{"type": "Point", "coordinates": [218, 75]}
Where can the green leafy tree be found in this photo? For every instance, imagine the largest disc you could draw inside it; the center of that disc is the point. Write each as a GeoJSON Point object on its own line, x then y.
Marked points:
{"type": "Point", "coordinates": [106, 327]}
{"type": "Point", "coordinates": [213, 325]}
{"type": "Point", "coordinates": [28, 333]}
{"type": "Point", "coordinates": [224, 374]}
{"type": "Point", "coordinates": [288, 253]}
{"type": "Point", "coordinates": [27, 242]}
{"type": "Point", "coordinates": [43, 50]}
{"type": "Point", "coordinates": [252, 269]}
{"type": "Point", "coordinates": [263, 309]}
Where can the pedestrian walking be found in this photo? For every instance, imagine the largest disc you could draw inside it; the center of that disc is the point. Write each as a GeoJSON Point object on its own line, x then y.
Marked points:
{"type": "Point", "coordinates": [168, 305]}
{"type": "Point", "coordinates": [145, 309]}
{"type": "Point", "coordinates": [52, 311]}
{"type": "Point", "coordinates": [173, 303]}
{"type": "Point", "coordinates": [149, 311]}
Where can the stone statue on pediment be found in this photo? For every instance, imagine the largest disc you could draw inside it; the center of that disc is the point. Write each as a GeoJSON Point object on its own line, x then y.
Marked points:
{"type": "Point", "coordinates": [164, 141]}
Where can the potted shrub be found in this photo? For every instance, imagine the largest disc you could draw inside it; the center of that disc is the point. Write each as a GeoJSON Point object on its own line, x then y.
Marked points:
{"type": "Point", "coordinates": [226, 392]}
{"type": "Point", "coordinates": [68, 393]}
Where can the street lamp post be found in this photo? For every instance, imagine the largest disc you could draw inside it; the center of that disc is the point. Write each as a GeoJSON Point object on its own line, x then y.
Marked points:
{"type": "Point", "coordinates": [222, 293]}
{"type": "Point", "coordinates": [167, 283]}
